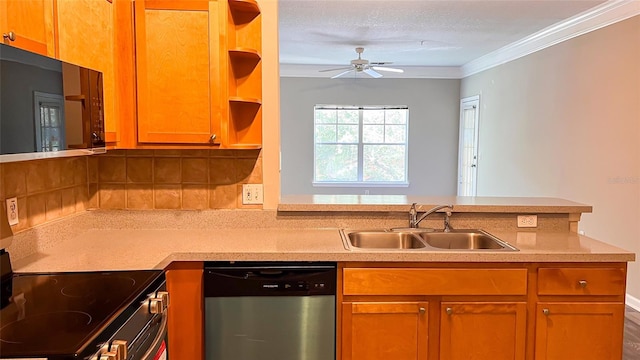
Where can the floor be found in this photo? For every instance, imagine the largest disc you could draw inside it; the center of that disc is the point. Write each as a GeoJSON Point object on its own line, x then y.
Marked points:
{"type": "Point", "coordinates": [631, 335]}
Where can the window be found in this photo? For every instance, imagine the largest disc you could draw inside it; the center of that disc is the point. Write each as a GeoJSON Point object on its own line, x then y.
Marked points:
{"type": "Point", "coordinates": [49, 122]}
{"type": "Point", "coordinates": [360, 145]}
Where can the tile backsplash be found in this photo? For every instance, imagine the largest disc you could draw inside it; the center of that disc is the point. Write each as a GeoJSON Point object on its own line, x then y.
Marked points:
{"type": "Point", "coordinates": [46, 189]}
{"type": "Point", "coordinates": [173, 179]}
{"type": "Point", "coordinates": [49, 189]}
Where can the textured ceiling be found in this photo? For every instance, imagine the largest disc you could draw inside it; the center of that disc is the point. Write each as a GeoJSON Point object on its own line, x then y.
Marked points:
{"type": "Point", "coordinates": [410, 33]}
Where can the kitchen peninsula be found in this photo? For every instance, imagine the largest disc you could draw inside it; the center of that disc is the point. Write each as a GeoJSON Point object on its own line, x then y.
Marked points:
{"type": "Point", "coordinates": [434, 302]}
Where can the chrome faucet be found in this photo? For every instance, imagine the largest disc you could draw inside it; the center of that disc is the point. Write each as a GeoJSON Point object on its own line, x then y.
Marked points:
{"type": "Point", "coordinates": [414, 221]}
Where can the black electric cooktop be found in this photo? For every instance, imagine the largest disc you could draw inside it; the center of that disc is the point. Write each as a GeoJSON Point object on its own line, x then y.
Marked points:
{"type": "Point", "coordinates": [64, 314]}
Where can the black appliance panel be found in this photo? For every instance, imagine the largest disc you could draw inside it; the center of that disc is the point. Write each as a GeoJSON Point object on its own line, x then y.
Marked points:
{"type": "Point", "coordinates": [68, 315]}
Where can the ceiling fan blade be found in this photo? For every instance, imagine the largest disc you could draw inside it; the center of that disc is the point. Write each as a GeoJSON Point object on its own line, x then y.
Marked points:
{"type": "Point", "coordinates": [342, 68]}
{"type": "Point", "coordinates": [342, 73]}
{"type": "Point", "coordinates": [372, 73]}
{"type": "Point", "coordinates": [395, 70]}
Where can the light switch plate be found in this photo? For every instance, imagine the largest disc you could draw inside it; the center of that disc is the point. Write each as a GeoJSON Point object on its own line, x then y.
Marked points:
{"type": "Point", "coordinates": [527, 221]}
{"type": "Point", "coordinates": [12, 211]}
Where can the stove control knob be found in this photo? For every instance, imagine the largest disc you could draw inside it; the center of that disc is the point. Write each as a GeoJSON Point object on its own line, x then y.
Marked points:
{"type": "Point", "coordinates": [120, 348]}
{"type": "Point", "coordinates": [156, 306]}
{"type": "Point", "coordinates": [109, 356]}
{"type": "Point", "coordinates": [164, 295]}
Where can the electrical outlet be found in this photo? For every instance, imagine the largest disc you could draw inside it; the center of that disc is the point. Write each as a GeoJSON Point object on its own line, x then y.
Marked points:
{"type": "Point", "coordinates": [527, 221]}
{"type": "Point", "coordinates": [12, 211]}
{"type": "Point", "coordinates": [252, 194]}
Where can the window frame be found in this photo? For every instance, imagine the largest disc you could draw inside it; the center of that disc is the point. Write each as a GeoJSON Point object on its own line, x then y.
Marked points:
{"type": "Point", "coordinates": [360, 146]}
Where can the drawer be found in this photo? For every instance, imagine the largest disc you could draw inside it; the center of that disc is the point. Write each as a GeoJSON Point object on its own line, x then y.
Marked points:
{"type": "Point", "coordinates": [581, 281]}
{"type": "Point", "coordinates": [386, 281]}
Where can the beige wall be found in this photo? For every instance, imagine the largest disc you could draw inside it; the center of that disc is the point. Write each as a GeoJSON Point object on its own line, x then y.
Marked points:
{"type": "Point", "coordinates": [565, 122]}
{"type": "Point", "coordinates": [270, 104]}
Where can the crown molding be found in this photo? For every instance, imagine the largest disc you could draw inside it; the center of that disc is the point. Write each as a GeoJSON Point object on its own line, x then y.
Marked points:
{"type": "Point", "coordinates": [410, 72]}
{"type": "Point", "coordinates": [598, 17]}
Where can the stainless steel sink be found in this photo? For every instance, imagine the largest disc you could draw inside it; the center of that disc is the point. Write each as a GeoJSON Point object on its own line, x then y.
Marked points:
{"type": "Point", "coordinates": [423, 240]}
{"type": "Point", "coordinates": [471, 239]}
{"type": "Point", "coordinates": [381, 239]}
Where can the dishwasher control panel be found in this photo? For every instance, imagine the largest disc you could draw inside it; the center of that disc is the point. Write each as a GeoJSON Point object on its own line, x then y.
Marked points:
{"type": "Point", "coordinates": [269, 279]}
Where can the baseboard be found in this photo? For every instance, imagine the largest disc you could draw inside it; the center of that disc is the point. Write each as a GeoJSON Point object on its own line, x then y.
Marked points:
{"type": "Point", "coordinates": [633, 302]}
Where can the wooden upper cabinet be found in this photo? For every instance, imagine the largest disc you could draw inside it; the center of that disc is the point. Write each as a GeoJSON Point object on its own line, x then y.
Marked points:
{"type": "Point", "coordinates": [31, 23]}
{"type": "Point", "coordinates": [85, 31]}
{"type": "Point", "coordinates": [177, 71]}
{"type": "Point", "coordinates": [483, 330]}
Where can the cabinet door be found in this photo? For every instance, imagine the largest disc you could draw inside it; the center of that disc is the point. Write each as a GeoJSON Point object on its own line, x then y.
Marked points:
{"type": "Point", "coordinates": [585, 331]}
{"type": "Point", "coordinates": [86, 38]}
{"type": "Point", "coordinates": [32, 23]}
{"type": "Point", "coordinates": [177, 56]}
{"type": "Point", "coordinates": [483, 331]}
{"type": "Point", "coordinates": [384, 330]}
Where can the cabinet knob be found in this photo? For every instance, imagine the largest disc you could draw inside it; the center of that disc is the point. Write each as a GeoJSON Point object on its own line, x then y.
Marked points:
{"type": "Point", "coordinates": [582, 283]}
{"type": "Point", "coordinates": [545, 311]}
{"type": "Point", "coordinates": [10, 35]}
{"type": "Point", "coordinates": [212, 139]}
{"type": "Point", "coordinates": [422, 310]}
{"type": "Point", "coordinates": [449, 311]}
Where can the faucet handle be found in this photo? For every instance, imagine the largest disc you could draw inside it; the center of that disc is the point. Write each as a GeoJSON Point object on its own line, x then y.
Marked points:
{"type": "Point", "coordinates": [413, 216]}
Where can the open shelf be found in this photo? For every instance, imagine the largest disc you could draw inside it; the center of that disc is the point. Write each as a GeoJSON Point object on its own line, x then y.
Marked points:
{"type": "Point", "coordinates": [244, 81]}
{"type": "Point", "coordinates": [241, 54]}
{"type": "Point", "coordinates": [244, 100]}
{"type": "Point", "coordinates": [246, 9]}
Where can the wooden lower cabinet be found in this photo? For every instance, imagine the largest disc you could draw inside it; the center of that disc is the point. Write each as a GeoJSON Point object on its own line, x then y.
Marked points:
{"type": "Point", "coordinates": [579, 330]}
{"type": "Point", "coordinates": [535, 311]}
{"type": "Point", "coordinates": [384, 330]}
{"type": "Point", "coordinates": [186, 310]}
{"type": "Point", "coordinates": [483, 330]}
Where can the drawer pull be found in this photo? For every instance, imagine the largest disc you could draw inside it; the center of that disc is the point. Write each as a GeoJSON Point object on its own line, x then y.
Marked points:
{"type": "Point", "coordinates": [582, 283]}
{"type": "Point", "coordinates": [422, 310]}
{"type": "Point", "coordinates": [449, 311]}
{"type": "Point", "coordinates": [545, 311]}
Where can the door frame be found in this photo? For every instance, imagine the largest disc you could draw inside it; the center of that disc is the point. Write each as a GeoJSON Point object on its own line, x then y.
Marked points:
{"type": "Point", "coordinates": [465, 103]}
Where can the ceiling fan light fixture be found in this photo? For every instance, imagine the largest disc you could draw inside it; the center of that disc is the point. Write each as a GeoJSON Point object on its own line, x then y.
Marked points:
{"type": "Point", "coordinates": [363, 65]}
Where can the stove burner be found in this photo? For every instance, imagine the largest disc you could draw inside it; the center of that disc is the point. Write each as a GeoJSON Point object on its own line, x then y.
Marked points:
{"type": "Point", "coordinates": [86, 288]}
{"type": "Point", "coordinates": [39, 327]}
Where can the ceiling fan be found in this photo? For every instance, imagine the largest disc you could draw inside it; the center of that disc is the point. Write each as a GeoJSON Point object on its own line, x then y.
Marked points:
{"type": "Point", "coordinates": [363, 65]}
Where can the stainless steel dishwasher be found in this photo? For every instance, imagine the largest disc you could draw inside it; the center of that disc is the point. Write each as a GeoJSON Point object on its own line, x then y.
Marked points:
{"type": "Point", "coordinates": [270, 310]}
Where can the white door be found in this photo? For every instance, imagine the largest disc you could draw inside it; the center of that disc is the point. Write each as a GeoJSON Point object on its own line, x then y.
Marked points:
{"type": "Point", "coordinates": [468, 146]}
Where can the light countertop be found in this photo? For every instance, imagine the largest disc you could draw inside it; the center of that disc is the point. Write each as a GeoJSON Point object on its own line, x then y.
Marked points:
{"type": "Point", "coordinates": [122, 249]}
{"type": "Point", "coordinates": [476, 204]}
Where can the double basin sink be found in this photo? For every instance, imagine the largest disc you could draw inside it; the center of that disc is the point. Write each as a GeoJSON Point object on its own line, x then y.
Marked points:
{"type": "Point", "coordinates": [423, 240]}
